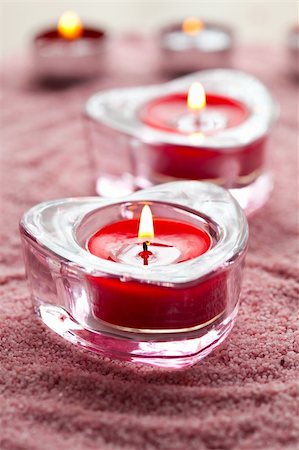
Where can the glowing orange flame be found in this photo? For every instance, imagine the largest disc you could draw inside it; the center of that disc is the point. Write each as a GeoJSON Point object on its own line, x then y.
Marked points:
{"type": "Point", "coordinates": [192, 25]}
{"type": "Point", "coordinates": [69, 25]}
{"type": "Point", "coordinates": [196, 97]}
{"type": "Point", "coordinates": [146, 225]}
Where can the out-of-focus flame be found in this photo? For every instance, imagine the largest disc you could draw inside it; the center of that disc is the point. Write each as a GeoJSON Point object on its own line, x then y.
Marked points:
{"type": "Point", "coordinates": [196, 97]}
{"type": "Point", "coordinates": [69, 25]}
{"type": "Point", "coordinates": [146, 225]}
{"type": "Point", "coordinates": [192, 25]}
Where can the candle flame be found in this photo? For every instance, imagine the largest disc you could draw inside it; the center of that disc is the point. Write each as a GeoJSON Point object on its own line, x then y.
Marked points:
{"type": "Point", "coordinates": [192, 26]}
{"type": "Point", "coordinates": [69, 25]}
{"type": "Point", "coordinates": [196, 97]}
{"type": "Point", "coordinates": [146, 225]}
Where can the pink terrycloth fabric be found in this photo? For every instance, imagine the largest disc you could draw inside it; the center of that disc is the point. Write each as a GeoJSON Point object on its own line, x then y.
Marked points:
{"type": "Point", "coordinates": [56, 396]}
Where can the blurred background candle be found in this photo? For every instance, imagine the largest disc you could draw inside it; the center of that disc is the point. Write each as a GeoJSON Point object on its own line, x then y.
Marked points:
{"type": "Point", "coordinates": [70, 26]}
{"type": "Point", "coordinates": [260, 22]}
{"type": "Point", "coordinates": [71, 51]}
{"type": "Point", "coordinates": [194, 44]}
{"type": "Point", "coordinates": [194, 33]}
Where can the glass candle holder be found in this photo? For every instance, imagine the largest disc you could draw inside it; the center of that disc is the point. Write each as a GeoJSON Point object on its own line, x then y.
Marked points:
{"type": "Point", "coordinates": [138, 137]}
{"type": "Point", "coordinates": [171, 313]}
{"type": "Point", "coordinates": [61, 59]}
{"type": "Point", "coordinates": [194, 45]}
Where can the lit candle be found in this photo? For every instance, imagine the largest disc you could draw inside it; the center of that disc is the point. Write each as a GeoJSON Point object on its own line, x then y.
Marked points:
{"type": "Point", "coordinates": [192, 26]}
{"type": "Point", "coordinates": [172, 241]}
{"type": "Point", "coordinates": [195, 44]}
{"type": "Point", "coordinates": [69, 25]}
{"type": "Point", "coordinates": [160, 242]}
{"type": "Point", "coordinates": [146, 234]}
{"type": "Point", "coordinates": [161, 290]}
{"type": "Point", "coordinates": [194, 111]}
{"type": "Point", "coordinates": [211, 126]}
{"type": "Point", "coordinates": [69, 51]}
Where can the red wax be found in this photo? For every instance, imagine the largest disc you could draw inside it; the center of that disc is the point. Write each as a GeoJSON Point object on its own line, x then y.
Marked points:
{"type": "Point", "coordinates": [53, 35]}
{"type": "Point", "coordinates": [162, 113]}
{"type": "Point", "coordinates": [140, 305]}
{"type": "Point", "coordinates": [231, 167]}
{"type": "Point", "coordinates": [190, 240]}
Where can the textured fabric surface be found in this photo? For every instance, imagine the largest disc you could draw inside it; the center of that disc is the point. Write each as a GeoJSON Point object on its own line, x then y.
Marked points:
{"type": "Point", "coordinates": [56, 396]}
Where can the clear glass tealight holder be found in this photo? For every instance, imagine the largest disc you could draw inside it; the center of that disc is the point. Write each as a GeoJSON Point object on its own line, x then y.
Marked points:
{"type": "Point", "coordinates": [139, 137]}
{"type": "Point", "coordinates": [170, 315]}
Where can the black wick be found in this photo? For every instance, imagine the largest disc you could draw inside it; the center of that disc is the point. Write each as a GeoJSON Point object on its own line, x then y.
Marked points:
{"type": "Point", "coordinates": [146, 253]}
{"type": "Point", "coordinates": [145, 246]}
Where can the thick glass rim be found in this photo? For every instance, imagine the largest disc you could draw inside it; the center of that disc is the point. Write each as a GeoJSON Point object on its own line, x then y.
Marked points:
{"type": "Point", "coordinates": [119, 109]}
{"type": "Point", "coordinates": [53, 225]}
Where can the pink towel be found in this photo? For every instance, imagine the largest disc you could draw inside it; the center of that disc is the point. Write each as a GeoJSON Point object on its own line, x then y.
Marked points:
{"type": "Point", "coordinates": [56, 396]}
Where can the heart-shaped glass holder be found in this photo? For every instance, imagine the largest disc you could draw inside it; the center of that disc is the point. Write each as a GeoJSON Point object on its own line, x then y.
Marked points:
{"type": "Point", "coordinates": [171, 315]}
{"type": "Point", "coordinates": [129, 152]}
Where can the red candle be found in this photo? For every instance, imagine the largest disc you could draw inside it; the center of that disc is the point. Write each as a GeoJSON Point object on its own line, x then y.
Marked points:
{"type": "Point", "coordinates": [69, 29]}
{"type": "Point", "coordinates": [45, 37]}
{"type": "Point", "coordinates": [140, 305]}
{"type": "Point", "coordinates": [213, 113]}
{"type": "Point", "coordinates": [196, 115]}
{"type": "Point", "coordinates": [163, 134]}
{"type": "Point", "coordinates": [70, 50]}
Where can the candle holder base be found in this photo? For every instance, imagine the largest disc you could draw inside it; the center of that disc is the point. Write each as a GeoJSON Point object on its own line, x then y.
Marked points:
{"type": "Point", "coordinates": [253, 196]}
{"type": "Point", "coordinates": [178, 351]}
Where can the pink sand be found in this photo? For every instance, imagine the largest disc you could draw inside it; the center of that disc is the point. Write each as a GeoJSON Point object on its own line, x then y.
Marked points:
{"type": "Point", "coordinates": [56, 396]}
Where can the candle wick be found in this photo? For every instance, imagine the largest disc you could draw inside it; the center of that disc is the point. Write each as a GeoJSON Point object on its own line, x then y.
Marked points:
{"type": "Point", "coordinates": [145, 254]}
{"type": "Point", "coordinates": [197, 120]}
{"type": "Point", "coordinates": [145, 246]}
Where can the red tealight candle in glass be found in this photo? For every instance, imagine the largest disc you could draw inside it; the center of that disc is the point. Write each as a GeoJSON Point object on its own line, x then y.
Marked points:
{"type": "Point", "coordinates": [209, 126]}
{"type": "Point", "coordinates": [197, 115]}
{"type": "Point", "coordinates": [165, 291]}
{"type": "Point", "coordinates": [159, 243]}
{"type": "Point", "coordinates": [70, 51]}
